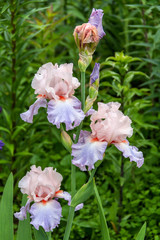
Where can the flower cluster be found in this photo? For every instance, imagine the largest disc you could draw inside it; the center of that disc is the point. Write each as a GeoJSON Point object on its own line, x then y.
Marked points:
{"type": "Point", "coordinates": [109, 126]}
{"type": "Point", "coordinates": [55, 87]}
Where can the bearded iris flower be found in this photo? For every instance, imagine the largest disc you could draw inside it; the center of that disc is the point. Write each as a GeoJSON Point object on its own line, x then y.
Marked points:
{"type": "Point", "coordinates": [57, 85]}
{"type": "Point", "coordinates": [43, 188]}
{"type": "Point", "coordinates": [109, 126]}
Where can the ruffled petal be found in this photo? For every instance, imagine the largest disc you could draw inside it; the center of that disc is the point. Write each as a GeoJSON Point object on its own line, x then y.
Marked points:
{"type": "Point", "coordinates": [66, 111]}
{"type": "Point", "coordinates": [87, 151]}
{"type": "Point", "coordinates": [23, 211]}
{"type": "Point", "coordinates": [46, 214]}
{"type": "Point", "coordinates": [131, 152]}
{"type": "Point", "coordinates": [33, 110]}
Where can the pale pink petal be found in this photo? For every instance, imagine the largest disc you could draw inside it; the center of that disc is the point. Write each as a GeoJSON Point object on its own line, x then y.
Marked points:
{"type": "Point", "coordinates": [33, 110]}
{"type": "Point", "coordinates": [110, 124]}
{"type": "Point", "coordinates": [23, 211]}
{"type": "Point", "coordinates": [28, 183]}
{"type": "Point", "coordinates": [66, 111]}
{"type": "Point", "coordinates": [131, 152]}
{"type": "Point", "coordinates": [87, 151]}
{"type": "Point", "coordinates": [53, 82]}
{"type": "Point", "coordinates": [43, 78]}
{"type": "Point", "coordinates": [49, 182]}
{"type": "Point", "coordinates": [40, 185]}
{"type": "Point", "coordinates": [46, 214]}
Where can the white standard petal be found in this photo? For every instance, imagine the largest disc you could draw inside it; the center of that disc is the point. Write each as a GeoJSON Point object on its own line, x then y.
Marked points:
{"type": "Point", "coordinates": [23, 211]}
{"type": "Point", "coordinates": [46, 214]}
{"type": "Point", "coordinates": [66, 111]}
{"type": "Point", "coordinates": [87, 151]}
{"type": "Point", "coordinates": [33, 110]}
{"type": "Point", "coordinates": [131, 152]}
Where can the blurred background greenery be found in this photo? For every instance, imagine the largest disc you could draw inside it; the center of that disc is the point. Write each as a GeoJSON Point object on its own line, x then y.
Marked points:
{"type": "Point", "coordinates": [36, 32]}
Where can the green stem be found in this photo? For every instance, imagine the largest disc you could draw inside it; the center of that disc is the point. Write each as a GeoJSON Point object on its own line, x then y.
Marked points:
{"type": "Point", "coordinates": [73, 168]}
{"type": "Point", "coordinates": [69, 223]}
{"type": "Point", "coordinates": [83, 89]}
{"type": "Point", "coordinates": [104, 227]}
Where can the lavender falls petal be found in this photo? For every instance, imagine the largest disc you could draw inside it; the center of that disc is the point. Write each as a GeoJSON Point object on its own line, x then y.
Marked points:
{"type": "Point", "coordinates": [131, 152]}
{"type": "Point", "coordinates": [46, 215]}
{"type": "Point", "coordinates": [87, 151]}
{"type": "Point", "coordinates": [66, 111]}
{"type": "Point", "coordinates": [33, 110]}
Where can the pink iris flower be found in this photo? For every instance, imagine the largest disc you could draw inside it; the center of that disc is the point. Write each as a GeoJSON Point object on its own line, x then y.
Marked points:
{"type": "Point", "coordinates": [57, 85]}
{"type": "Point", "coordinates": [43, 188]}
{"type": "Point", "coordinates": [109, 126]}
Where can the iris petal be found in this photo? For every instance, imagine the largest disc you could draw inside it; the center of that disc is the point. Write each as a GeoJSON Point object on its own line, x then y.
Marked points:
{"type": "Point", "coordinates": [46, 214]}
{"type": "Point", "coordinates": [87, 151]}
{"type": "Point", "coordinates": [131, 152]}
{"type": "Point", "coordinates": [66, 111]}
{"type": "Point", "coordinates": [33, 110]}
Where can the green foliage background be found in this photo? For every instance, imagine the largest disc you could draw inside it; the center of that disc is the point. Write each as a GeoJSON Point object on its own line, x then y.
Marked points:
{"type": "Point", "coordinates": [36, 32]}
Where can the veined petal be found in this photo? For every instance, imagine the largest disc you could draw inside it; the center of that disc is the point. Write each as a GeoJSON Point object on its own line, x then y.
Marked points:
{"type": "Point", "coordinates": [33, 110]}
{"type": "Point", "coordinates": [87, 151]}
{"type": "Point", "coordinates": [66, 111]}
{"type": "Point", "coordinates": [46, 214]}
{"type": "Point", "coordinates": [23, 211]}
{"type": "Point", "coordinates": [131, 152]}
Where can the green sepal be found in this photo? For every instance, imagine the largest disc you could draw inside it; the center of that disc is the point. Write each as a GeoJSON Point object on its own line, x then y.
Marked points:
{"type": "Point", "coordinates": [66, 140]}
{"type": "Point", "coordinates": [83, 193]}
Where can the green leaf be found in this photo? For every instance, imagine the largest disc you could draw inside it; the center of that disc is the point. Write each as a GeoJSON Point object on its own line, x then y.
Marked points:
{"type": "Point", "coordinates": [83, 194]}
{"type": "Point", "coordinates": [104, 227]}
{"type": "Point", "coordinates": [24, 227]}
{"type": "Point", "coordinates": [141, 233]}
{"type": "Point", "coordinates": [40, 234]}
{"type": "Point", "coordinates": [6, 211]}
{"type": "Point", "coordinates": [5, 7]}
{"type": "Point", "coordinates": [5, 129]}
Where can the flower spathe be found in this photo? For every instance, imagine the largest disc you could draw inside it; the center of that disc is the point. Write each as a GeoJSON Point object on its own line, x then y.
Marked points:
{"type": "Point", "coordinates": [109, 126]}
{"type": "Point", "coordinates": [57, 85]}
{"type": "Point", "coordinates": [42, 188]}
